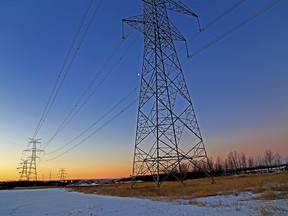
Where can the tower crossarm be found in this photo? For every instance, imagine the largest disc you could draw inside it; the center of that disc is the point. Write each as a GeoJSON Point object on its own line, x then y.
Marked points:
{"type": "Point", "coordinates": [35, 150]}
{"type": "Point", "coordinates": [177, 6]}
{"type": "Point", "coordinates": [136, 22]}
{"type": "Point", "coordinates": [180, 7]}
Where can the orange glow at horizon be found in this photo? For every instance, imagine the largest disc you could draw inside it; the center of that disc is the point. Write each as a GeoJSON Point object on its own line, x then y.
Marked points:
{"type": "Point", "coordinates": [90, 165]}
{"type": "Point", "coordinates": [10, 174]}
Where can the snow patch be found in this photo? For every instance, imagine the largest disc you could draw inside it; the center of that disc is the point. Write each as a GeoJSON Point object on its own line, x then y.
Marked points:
{"type": "Point", "coordinates": [62, 202]}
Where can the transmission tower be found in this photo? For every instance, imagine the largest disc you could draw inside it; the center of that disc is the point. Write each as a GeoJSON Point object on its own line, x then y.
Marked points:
{"type": "Point", "coordinates": [62, 174]}
{"type": "Point", "coordinates": [33, 158]}
{"type": "Point", "coordinates": [165, 112]}
{"type": "Point", "coordinates": [24, 173]}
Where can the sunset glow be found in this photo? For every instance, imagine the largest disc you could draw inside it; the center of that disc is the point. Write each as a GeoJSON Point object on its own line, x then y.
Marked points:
{"type": "Point", "coordinates": [238, 85]}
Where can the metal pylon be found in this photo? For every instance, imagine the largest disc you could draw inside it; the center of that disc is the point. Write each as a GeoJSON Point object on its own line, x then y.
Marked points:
{"type": "Point", "coordinates": [168, 140]}
{"type": "Point", "coordinates": [24, 172]}
{"type": "Point", "coordinates": [62, 174]}
{"type": "Point", "coordinates": [33, 158]}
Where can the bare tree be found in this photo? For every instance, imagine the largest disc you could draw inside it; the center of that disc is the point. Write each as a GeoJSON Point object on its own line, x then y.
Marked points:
{"type": "Point", "coordinates": [218, 165]}
{"type": "Point", "coordinates": [202, 165]}
{"type": "Point", "coordinates": [259, 161]}
{"type": "Point", "coordinates": [226, 165]}
{"type": "Point", "coordinates": [277, 159]}
{"type": "Point", "coordinates": [251, 162]}
{"type": "Point", "coordinates": [242, 160]}
{"type": "Point", "coordinates": [239, 161]}
{"type": "Point", "coordinates": [233, 160]}
{"type": "Point", "coordinates": [269, 158]}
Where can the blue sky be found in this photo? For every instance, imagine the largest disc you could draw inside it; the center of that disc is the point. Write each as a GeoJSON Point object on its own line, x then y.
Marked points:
{"type": "Point", "coordinates": [238, 85]}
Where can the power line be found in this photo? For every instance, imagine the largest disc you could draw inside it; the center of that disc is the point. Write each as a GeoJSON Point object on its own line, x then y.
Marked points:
{"type": "Point", "coordinates": [223, 14]}
{"type": "Point", "coordinates": [214, 21]}
{"type": "Point", "coordinates": [77, 107]}
{"type": "Point", "coordinates": [234, 28]}
{"type": "Point", "coordinates": [95, 131]}
{"type": "Point", "coordinates": [57, 86]}
{"type": "Point", "coordinates": [70, 115]}
{"type": "Point", "coordinates": [226, 33]}
{"type": "Point", "coordinates": [97, 121]}
{"type": "Point", "coordinates": [47, 106]}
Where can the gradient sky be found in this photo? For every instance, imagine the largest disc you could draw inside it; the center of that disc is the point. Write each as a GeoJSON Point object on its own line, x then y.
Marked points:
{"type": "Point", "coordinates": [239, 85]}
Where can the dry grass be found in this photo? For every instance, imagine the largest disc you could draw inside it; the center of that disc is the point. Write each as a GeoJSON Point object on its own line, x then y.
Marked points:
{"type": "Point", "coordinates": [269, 210]}
{"type": "Point", "coordinates": [268, 186]}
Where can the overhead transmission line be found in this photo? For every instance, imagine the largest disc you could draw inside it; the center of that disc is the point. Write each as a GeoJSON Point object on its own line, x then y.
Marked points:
{"type": "Point", "coordinates": [226, 33]}
{"type": "Point", "coordinates": [95, 131]}
{"type": "Point", "coordinates": [78, 106]}
{"type": "Point", "coordinates": [51, 99]}
{"type": "Point", "coordinates": [222, 15]}
{"type": "Point", "coordinates": [92, 81]}
{"type": "Point", "coordinates": [97, 74]}
{"type": "Point", "coordinates": [61, 76]}
{"type": "Point", "coordinates": [96, 122]}
{"type": "Point", "coordinates": [108, 112]}
{"type": "Point", "coordinates": [234, 28]}
{"type": "Point", "coordinates": [212, 22]}
{"type": "Point", "coordinates": [72, 112]}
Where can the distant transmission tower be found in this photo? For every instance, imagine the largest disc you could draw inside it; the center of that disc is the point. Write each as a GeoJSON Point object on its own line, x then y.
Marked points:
{"type": "Point", "coordinates": [62, 174]}
{"type": "Point", "coordinates": [33, 158]}
{"type": "Point", "coordinates": [165, 112]}
{"type": "Point", "coordinates": [24, 173]}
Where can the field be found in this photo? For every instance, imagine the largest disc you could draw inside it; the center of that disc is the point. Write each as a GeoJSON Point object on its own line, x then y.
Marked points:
{"type": "Point", "coordinates": [263, 195]}
{"type": "Point", "coordinates": [266, 186]}
{"type": "Point", "coordinates": [263, 190]}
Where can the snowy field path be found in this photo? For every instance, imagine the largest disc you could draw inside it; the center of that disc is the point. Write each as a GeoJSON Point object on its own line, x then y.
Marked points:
{"type": "Point", "coordinates": [61, 202]}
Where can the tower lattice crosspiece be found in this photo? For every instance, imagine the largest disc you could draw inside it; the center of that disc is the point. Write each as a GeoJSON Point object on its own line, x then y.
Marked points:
{"type": "Point", "coordinates": [168, 139]}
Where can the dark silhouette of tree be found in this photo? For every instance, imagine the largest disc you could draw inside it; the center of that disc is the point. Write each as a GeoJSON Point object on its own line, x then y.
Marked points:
{"type": "Point", "coordinates": [233, 161]}
{"type": "Point", "coordinates": [277, 159]}
{"type": "Point", "coordinates": [219, 165]}
{"type": "Point", "coordinates": [268, 158]}
{"type": "Point", "coordinates": [251, 162]}
{"type": "Point", "coordinates": [242, 161]}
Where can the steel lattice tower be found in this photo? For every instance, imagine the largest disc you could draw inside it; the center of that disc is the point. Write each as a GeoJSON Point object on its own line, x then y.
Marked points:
{"type": "Point", "coordinates": [165, 112]}
{"type": "Point", "coordinates": [24, 173]}
{"type": "Point", "coordinates": [33, 158]}
{"type": "Point", "coordinates": [62, 174]}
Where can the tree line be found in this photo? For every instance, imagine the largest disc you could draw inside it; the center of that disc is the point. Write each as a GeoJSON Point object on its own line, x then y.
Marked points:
{"type": "Point", "coordinates": [237, 163]}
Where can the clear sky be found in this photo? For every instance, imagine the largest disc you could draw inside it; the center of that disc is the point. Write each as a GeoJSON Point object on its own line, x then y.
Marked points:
{"type": "Point", "coordinates": [239, 85]}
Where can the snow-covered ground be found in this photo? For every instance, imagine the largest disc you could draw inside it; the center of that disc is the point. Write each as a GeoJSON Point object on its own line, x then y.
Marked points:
{"type": "Point", "coordinates": [61, 202]}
